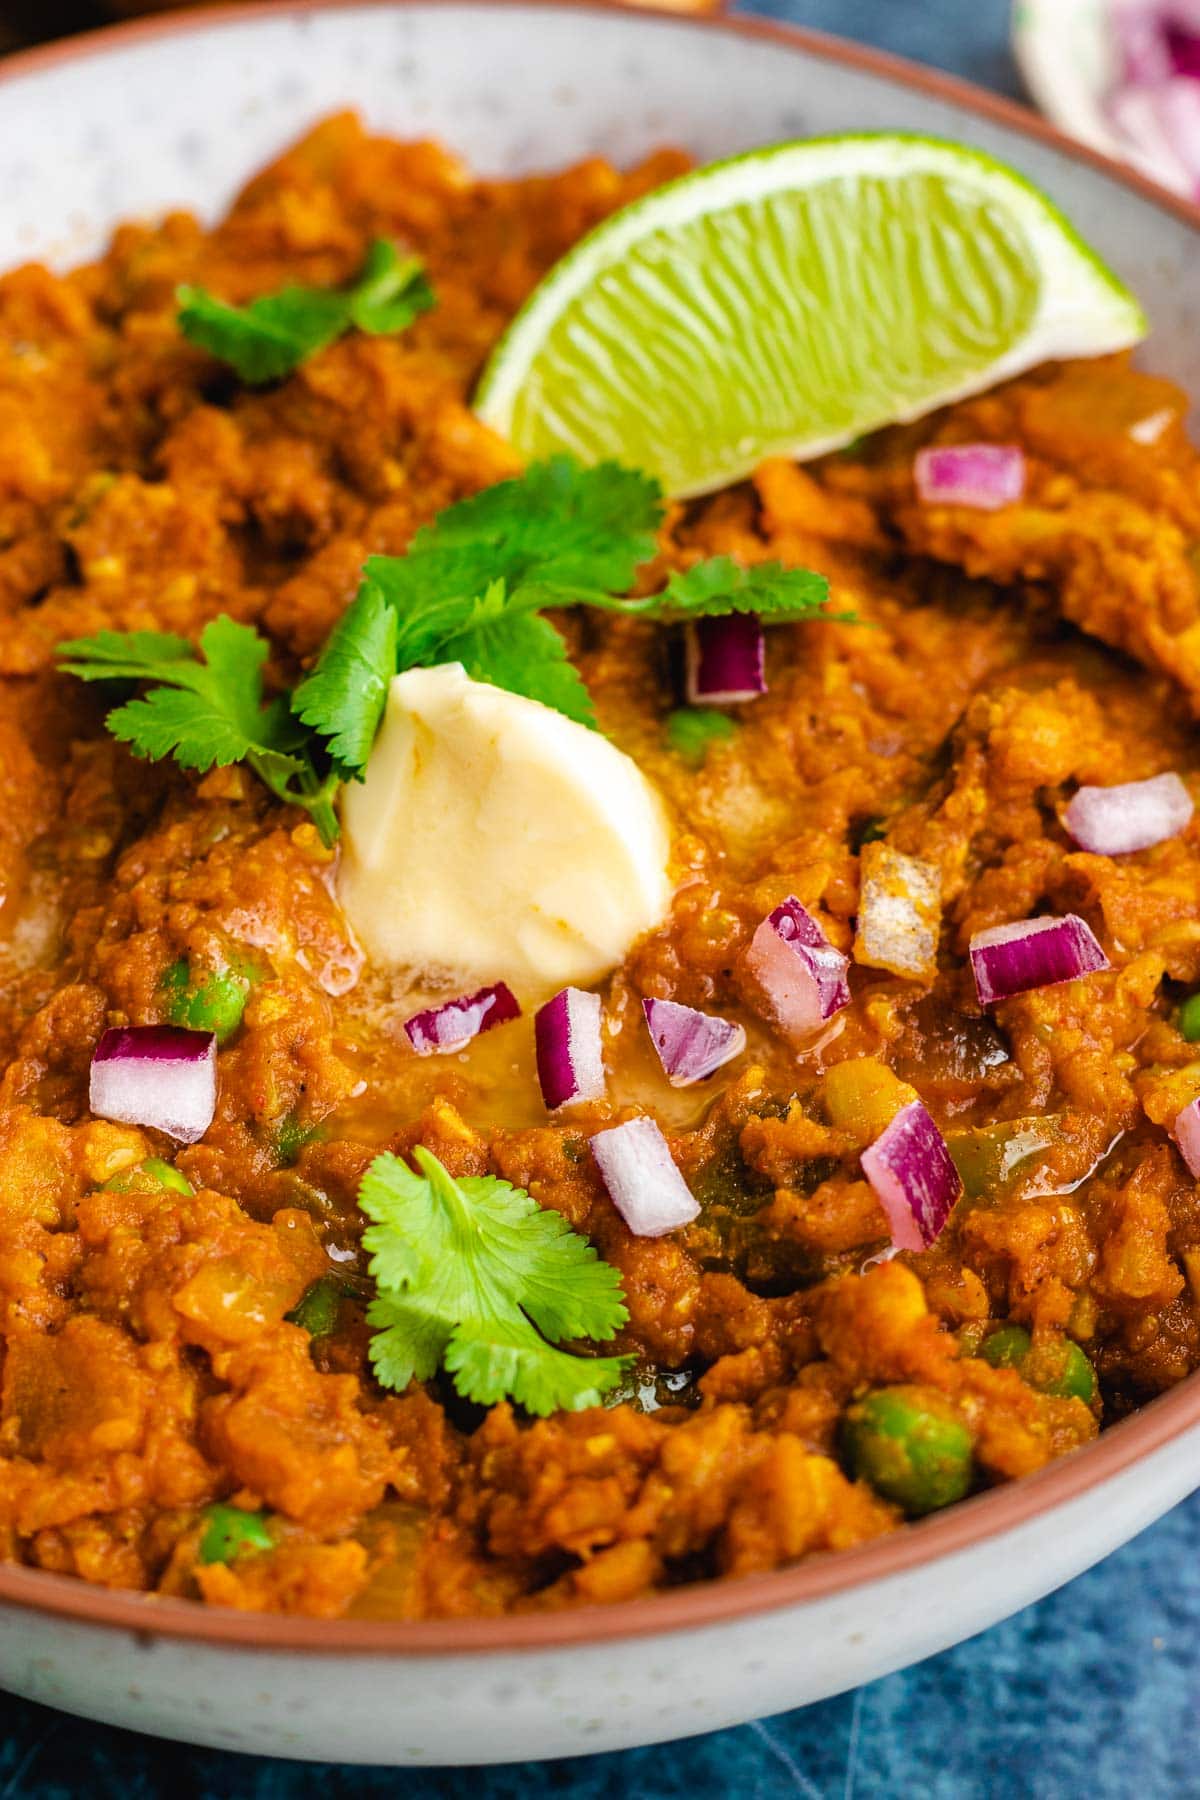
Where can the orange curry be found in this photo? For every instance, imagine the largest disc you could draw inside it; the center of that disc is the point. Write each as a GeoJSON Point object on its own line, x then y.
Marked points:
{"type": "Point", "coordinates": [150, 1369]}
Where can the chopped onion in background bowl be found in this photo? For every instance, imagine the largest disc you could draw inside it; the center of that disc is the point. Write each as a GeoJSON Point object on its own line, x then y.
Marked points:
{"type": "Point", "coordinates": [1121, 75]}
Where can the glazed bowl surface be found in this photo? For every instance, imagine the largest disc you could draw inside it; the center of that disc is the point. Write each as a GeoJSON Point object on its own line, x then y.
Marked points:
{"type": "Point", "coordinates": [176, 112]}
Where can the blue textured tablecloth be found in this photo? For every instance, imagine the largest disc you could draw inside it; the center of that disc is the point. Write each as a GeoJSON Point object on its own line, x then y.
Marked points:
{"type": "Point", "coordinates": [1094, 1692]}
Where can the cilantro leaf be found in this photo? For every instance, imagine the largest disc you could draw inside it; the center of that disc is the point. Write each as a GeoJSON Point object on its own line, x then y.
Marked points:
{"type": "Point", "coordinates": [721, 585]}
{"type": "Point", "coordinates": [344, 696]}
{"type": "Point", "coordinates": [524, 654]}
{"type": "Point", "coordinates": [123, 655]}
{"type": "Point", "coordinates": [268, 338]}
{"type": "Point", "coordinates": [469, 590]}
{"type": "Point", "coordinates": [207, 709]}
{"type": "Point", "coordinates": [498, 1361]}
{"type": "Point", "coordinates": [391, 292]}
{"type": "Point", "coordinates": [475, 1275]}
{"type": "Point", "coordinates": [691, 729]}
{"type": "Point", "coordinates": [559, 535]}
{"type": "Point", "coordinates": [558, 526]}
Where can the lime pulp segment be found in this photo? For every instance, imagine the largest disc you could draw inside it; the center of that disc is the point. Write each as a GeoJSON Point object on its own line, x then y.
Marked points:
{"type": "Point", "coordinates": [789, 300]}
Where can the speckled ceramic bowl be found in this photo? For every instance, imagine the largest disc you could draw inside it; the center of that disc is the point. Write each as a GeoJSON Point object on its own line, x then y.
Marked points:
{"type": "Point", "coordinates": [175, 112]}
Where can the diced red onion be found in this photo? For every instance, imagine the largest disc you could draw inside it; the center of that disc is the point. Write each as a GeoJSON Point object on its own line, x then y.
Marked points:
{"type": "Point", "coordinates": [1183, 47]}
{"type": "Point", "coordinates": [899, 913]}
{"type": "Point", "coordinates": [449, 1027]}
{"type": "Point", "coordinates": [1141, 41]}
{"type": "Point", "coordinates": [642, 1179]}
{"type": "Point", "coordinates": [691, 1045]}
{"type": "Point", "coordinates": [1179, 111]}
{"type": "Point", "coordinates": [726, 660]}
{"type": "Point", "coordinates": [913, 1176]}
{"type": "Point", "coordinates": [1033, 953]}
{"type": "Point", "coordinates": [984, 476]}
{"type": "Point", "coordinates": [1156, 103]}
{"type": "Point", "coordinates": [156, 1075]}
{"type": "Point", "coordinates": [1113, 821]}
{"type": "Point", "coordinates": [798, 969]}
{"type": "Point", "coordinates": [570, 1056]}
{"type": "Point", "coordinates": [1146, 125]}
{"type": "Point", "coordinates": [1157, 38]}
{"type": "Point", "coordinates": [1186, 1132]}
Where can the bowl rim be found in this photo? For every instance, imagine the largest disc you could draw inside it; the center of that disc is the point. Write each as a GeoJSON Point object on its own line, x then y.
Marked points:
{"type": "Point", "coordinates": [715, 1602]}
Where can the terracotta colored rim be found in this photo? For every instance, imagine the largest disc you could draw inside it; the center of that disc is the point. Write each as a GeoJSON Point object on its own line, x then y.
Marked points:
{"type": "Point", "coordinates": [708, 1603]}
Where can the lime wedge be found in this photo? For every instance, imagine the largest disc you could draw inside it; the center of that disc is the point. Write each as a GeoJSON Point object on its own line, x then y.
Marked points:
{"type": "Point", "coordinates": [789, 300]}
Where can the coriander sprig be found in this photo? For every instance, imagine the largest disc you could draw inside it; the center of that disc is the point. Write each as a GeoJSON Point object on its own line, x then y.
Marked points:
{"type": "Point", "coordinates": [272, 335]}
{"type": "Point", "coordinates": [474, 1276]}
{"type": "Point", "coordinates": [471, 589]}
{"type": "Point", "coordinates": [207, 708]}
{"type": "Point", "coordinates": [474, 581]}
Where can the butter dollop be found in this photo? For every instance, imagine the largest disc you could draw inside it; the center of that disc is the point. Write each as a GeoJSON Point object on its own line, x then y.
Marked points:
{"type": "Point", "coordinates": [496, 839]}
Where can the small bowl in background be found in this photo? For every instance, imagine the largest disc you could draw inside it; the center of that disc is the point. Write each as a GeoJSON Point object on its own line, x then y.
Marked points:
{"type": "Point", "coordinates": [1101, 71]}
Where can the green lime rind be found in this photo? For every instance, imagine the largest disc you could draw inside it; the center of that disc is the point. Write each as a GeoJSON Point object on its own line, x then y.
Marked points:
{"type": "Point", "coordinates": [788, 300]}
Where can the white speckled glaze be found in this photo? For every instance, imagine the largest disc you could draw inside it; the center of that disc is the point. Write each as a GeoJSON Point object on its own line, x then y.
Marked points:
{"type": "Point", "coordinates": [151, 118]}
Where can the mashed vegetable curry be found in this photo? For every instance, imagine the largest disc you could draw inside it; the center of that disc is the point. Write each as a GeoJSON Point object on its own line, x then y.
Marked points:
{"type": "Point", "coordinates": [187, 1404]}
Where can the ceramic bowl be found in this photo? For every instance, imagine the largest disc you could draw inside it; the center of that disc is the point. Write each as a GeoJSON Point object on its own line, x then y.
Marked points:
{"type": "Point", "coordinates": [176, 112]}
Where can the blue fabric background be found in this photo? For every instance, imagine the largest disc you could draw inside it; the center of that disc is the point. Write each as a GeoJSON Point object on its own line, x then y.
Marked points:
{"type": "Point", "coordinates": [1094, 1692]}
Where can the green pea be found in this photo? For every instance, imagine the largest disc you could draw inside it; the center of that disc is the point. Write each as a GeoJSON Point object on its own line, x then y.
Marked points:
{"type": "Point", "coordinates": [1057, 1366]}
{"type": "Point", "coordinates": [214, 1003]}
{"type": "Point", "coordinates": [692, 729]}
{"type": "Point", "coordinates": [147, 1176]}
{"type": "Point", "coordinates": [228, 1532]}
{"type": "Point", "coordinates": [1188, 1019]}
{"type": "Point", "coordinates": [911, 1445]}
{"type": "Point", "coordinates": [318, 1308]}
{"type": "Point", "coordinates": [1006, 1348]}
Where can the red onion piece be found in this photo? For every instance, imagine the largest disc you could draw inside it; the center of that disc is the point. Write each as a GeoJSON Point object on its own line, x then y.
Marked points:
{"type": "Point", "coordinates": [984, 476]}
{"type": "Point", "coordinates": [1186, 1132]}
{"type": "Point", "coordinates": [1179, 110]}
{"type": "Point", "coordinates": [1033, 953]}
{"type": "Point", "coordinates": [1156, 104]}
{"type": "Point", "coordinates": [570, 1057]}
{"type": "Point", "coordinates": [642, 1180]}
{"type": "Point", "coordinates": [1113, 821]}
{"type": "Point", "coordinates": [1156, 39]}
{"type": "Point", "coordinates": [1183, 47]}
{"type": "Point", "coordinates": [798, 968]}
{"type": "Point", "coordinates": [726, 660]}
{"type": "Point", "coordinates": [1143, 120]}
{"type": "Point", "coordinates": [449, 1027]}
{"type": "Point", "coordinates": [156, 1075]}
{"type": "Point", "coordinates": [691, 1045]}
{"type": "Point", "coordinates": [915, 1180]}
{"type": "Point", "coordinates": [1141, 41]}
